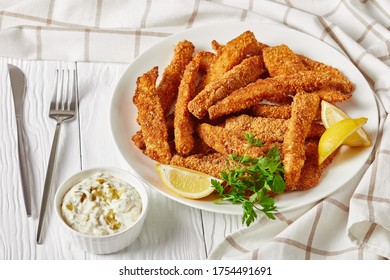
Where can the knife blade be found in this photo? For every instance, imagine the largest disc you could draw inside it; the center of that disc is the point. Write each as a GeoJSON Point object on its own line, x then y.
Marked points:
{"type": "Point", "coordinates": [18, 86]}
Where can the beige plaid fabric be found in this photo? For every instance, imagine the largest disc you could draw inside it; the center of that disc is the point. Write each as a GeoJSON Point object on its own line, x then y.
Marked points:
{"type": "Point", "coordinates": [354, 222]}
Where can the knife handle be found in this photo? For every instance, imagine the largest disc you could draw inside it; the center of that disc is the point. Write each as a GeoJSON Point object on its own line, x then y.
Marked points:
{"type": "Point", "coordinates": [23, 169]}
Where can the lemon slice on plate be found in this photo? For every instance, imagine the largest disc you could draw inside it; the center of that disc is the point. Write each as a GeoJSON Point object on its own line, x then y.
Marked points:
{"type": "Point", "coordinates": [335, 135]}
{"type": "Point", "coordinates": [330, 114]}
{"type": "Point", "coordinates": [185, 182]}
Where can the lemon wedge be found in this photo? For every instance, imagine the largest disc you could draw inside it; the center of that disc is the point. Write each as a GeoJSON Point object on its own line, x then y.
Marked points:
{"type": "Point", "coordinates": [330, 114]}
{"type": "Point", "coordinates": [335, 135]}
{"type": "Point", "coordinates": [185, 182]}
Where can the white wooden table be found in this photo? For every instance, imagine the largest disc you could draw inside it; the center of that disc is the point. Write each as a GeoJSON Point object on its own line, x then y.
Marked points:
{"type": "Point", "coordinates": [171, 231]}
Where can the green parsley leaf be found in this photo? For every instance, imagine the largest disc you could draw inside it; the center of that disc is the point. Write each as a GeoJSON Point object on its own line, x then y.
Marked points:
{"type": "Point", "coordinates": [251, 181]}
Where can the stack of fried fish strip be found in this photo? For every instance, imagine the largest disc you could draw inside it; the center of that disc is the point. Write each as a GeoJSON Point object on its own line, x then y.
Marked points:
{"type": "Point", "coordinates": [207, 100]}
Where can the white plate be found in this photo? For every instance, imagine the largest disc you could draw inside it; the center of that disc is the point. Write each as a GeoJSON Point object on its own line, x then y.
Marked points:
{"type": "Point", "coordinates": [346, 164]}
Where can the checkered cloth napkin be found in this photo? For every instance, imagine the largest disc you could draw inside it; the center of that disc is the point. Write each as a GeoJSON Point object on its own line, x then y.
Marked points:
{"type": "Point", "coordinates": [352, 223]}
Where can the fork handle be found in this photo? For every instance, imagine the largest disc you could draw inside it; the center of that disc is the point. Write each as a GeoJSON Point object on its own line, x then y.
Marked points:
{"type": "Point", "coordinates": [48, 181]}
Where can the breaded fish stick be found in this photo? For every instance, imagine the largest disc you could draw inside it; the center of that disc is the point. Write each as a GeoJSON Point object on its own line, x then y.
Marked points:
{"type": "Point", "coordinates": [239, 76]}
{"type": "Point", "coordinates": [265, 129]}
{"type": "Point", "coordinates": [168, 86]}
{"type": "Point", "coordinates": [205, 59]}
{"type": "Point", "coordinates": [232, 54]}
{"type": "Point", "coordinates": [138, 138]}
{"type": "Point", "coordinates": [316, 130]}
{"type": "Point", "coordinates": [274, 88]}
{"type": "Point", "coordinates": [268, 130]}
{"type": "Point", "coordinates": [212, 164]}
{"type": "Point", "coordinates": [317, 66]}
{"type": "Point", "coordinates": [281, 60]}
{"type": "Point", "coordinates": [183, 122]}
{"type": "Point", "coordinates": [332, 95]}
{"type": "Point", "coordinates": [151, 117]}
{"type": "Point", "coordinates": [303, 111]}
{"type": "Point", "coordinates": [282, 111]}
{"type": "Point", "coordinates": [311, 173]}
{"type": "Point", "coordinates": [327, 94]}
{"type": "Point", "coordinates": [225, 142]}
{"type": "Point", "coordinates": [216, 46]}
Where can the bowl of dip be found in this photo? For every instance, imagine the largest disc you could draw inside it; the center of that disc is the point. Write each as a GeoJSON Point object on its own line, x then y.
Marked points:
{"type": "Point", "coordinates": [102, 210]}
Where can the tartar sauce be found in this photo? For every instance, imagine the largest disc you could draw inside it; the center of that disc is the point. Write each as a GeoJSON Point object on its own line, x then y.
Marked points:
{"type": "Point", "coordinates": [101, 205]}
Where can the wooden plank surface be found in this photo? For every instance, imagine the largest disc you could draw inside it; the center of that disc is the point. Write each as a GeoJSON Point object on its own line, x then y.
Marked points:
{"type": "Point", "coordinates": [171, 230]}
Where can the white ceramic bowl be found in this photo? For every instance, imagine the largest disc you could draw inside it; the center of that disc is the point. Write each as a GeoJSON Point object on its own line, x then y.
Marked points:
{"type": "Point", "coordinates": [109, 243]}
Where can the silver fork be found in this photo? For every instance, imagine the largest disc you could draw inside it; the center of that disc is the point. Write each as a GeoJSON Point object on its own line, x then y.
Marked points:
{"type": "Point", "coordinates": [62, 108]}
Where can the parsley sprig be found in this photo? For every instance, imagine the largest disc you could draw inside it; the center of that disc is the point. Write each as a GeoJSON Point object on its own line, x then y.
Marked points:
{"type": "Point", "coordinates": [250, 181]}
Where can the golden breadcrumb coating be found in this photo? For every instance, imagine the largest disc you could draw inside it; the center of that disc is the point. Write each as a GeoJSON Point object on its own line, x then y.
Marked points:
{"type": "Point", "coordinates": [232, 54]}
{"type": "Point", "coordinates": [151, 117]}
{"type": "Point", "coordinates": [183, 122]}
{"type": "Point", "coordinates": [276, 88]}
{"type": "Point", "coordinates": [281, 60]}
{"type": "Point", "coordinates": [269, 130]}
{"type": "Point", "coordinates": [303, 112]}
{"type": "Point", "coordinates": [212, 164]}
{"type": "Point", "coordinates": [169, 85]}
{"type": "Point", "coordinates": [239, 76]}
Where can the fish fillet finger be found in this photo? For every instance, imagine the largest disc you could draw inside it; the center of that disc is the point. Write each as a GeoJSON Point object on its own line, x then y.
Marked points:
{"type": "Point", "coordinates": [205, 59]}
{"type": "Point", "coordinates": [281, 60]}
{"type": "Point", "coordinates": [183, 122]}
{"type": "Point", "coordinates": [332, 95]}
{"type": "Point", "coordinates": [239, 76]}
{"type": "Point", "coordinates": [268, 130]}
{"type": "Point", "coordinates": [311, 173]}
{"type": "Point", "coordinates": [276, 87]}
{"type": "Point", "coordinates": [224, 142]}
{"type": "Point", "coordinates": [212, 164]}
{"type": "Point", "coordinates": [303, 111]}
{"type": "Point", "coordinates": [232, 53]}
{"type": "Point", "coordinates": [264, 129]}
{"type": "Point", "coordinates": [168, 86]}
{"type": "Point", "coordinates": [329, 95]}
{"type": "Point", "coordinates": [282, 111]}
{"type": "Point", "coordinates": [316, 130]}
{"type": "Point", "coordinates": [151, 117]}
{"type": "Point", "coordinates": [216, 46]}
{"type": "Point", "coordinates": [317, 66]}
{"type": "Point", "coordinates": [138, 138]}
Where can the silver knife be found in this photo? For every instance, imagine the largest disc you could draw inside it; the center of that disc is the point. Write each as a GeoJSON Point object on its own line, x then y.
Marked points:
{"type": "Point", "coordinates": [18, 85]}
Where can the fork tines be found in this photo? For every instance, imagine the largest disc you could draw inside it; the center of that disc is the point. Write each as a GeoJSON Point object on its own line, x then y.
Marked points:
{"type": "Point", "coordinates": [65, 83]}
